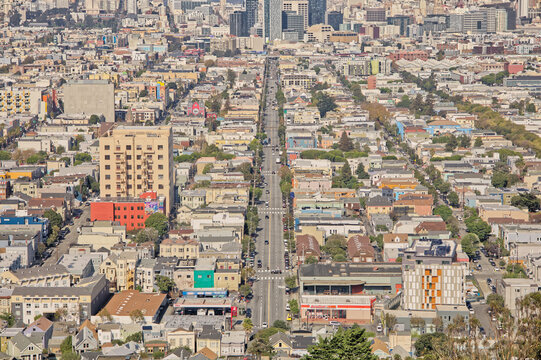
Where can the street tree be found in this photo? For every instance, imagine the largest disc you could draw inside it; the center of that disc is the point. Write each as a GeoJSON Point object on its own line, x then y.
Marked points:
{"type": "Point", "coordinates": [159, 222]}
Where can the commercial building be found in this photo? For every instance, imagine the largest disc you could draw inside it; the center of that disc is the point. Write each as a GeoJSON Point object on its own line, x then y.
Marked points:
{"type": "Point", "coordinates": [317, 9]}
{"type": "Point", "coordinates": [299, 7]}
{"type": "Point", "coordinates": [293, 22]}
{"type": "Point", "coordinates": [375, 15]}
{"type": "Point", "coordinates": [335, 19]}
{"type": "Point", "coordinates": [251, 13]}
{"type": "Point", "coordinates": [238, 24]}
{"type": "Point", "coordinates": [135, 160]}
{"type": "Point", "coordinates": [130, 212]}
{"type": "Point", "coordinates": [90, 97]}
{"type": "Point", "coordinates": [125, 302]}
{"type": "Point", "coordinates": [273, 19]}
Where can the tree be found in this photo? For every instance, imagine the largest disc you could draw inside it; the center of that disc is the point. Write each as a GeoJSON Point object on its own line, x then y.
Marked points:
{"type": "Point", "coordinates": [478, 227]}
{"type": "Point", "coordinates": [350, 344]}
{"type": "Point", "coordinates": [231, 77]}
{"type": "Point", "coordinates": [245, 290]}
{"type": "Point", "coordinates": [247, 325]}
{"type": "Point", "coordinates": [417, 323]}
{"type": "Point", "coordinates": [444, 211]}
{"type": "Point", "coordinates": [105, 315]}
{"type": "Point", "coordinates": [143, 93]}
{"type": "Point", "coordinates": [325, 103]}
{"type": "Point", "coordinates": [426, 342]}
{"type": "Point", "coordinates": [66, 346]}
{"type": "Point", "coordinates": [291, 281]}
{"type": "Point", "coordinates": [159, 222]}
{"type": "Point", "coordinates": [529, 201]}
{"type": "Point", "coordinates": [470, 243]}
{"type": "Point", "coordinates": [345, 143]}
{"type": "Point", "coordinates": [280, 324]}
{"type": "Point", "coordinates": [147, 235]}
{"type": "Point", "coordinates": [55, 219]}
{"type": "Point", "coordinates": [390, 322]}
{"type": "Point", "coordinates": [453, 199]}
{"type": "Point", "coordinates": [361, 173]}
{"type": "Point", "coordinates": [478, 142]}
{"type": "Point", "coordinates": [260, 346]}
{"type": "Point", "coordinates": [137, 316]}
{"type": "Point", "coordinates": [94, 119]}
{"type": "Point", "coordinates": [294, 306]}
{"type": "Point", "coordinates": [82, 158]}
{"type": "Point", "coordinates": [164, 283]}
{"type": "Point", "coordinates": [8, 318]}
{"type": "Point", "coordinates": [311, 259]}
{"type": "Point", "coordinates": [60, 149]}
{"type": "Point", "coordinates": [531, 108]}
{"type": "Point", "coordinates": [135, 337]}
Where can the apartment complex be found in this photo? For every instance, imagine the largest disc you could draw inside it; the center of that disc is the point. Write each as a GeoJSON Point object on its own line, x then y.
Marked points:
{"type": "Point", "coordinates": [22, 101]}
{"type": "Point", "coordinates": [431, 276]}
{"type": "Point", "coordinates": [135, 160]}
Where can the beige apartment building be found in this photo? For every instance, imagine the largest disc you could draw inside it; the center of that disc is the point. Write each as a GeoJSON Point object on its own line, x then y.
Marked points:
{"type": "Point", "coordinates": [299, 7]}
{"type": "Point", "coordinates": [137, 159]}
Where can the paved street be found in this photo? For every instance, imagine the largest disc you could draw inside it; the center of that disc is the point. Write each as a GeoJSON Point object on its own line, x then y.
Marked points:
{"type": "Point", "coordinates": [70, 239]}
{"type": "Point", "coordinates": [269, 301]}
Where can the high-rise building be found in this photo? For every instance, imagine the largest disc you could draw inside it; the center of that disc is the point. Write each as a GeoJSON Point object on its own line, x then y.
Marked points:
{"type": "Point", "coordinates": [131, 6]}
{"type": "Point", "coordinates": [523, 7]}
{"type": "Point", "coordinates": [90, 97]}
{"type": "Point", "coordinates": [238, 24]}
{"type": "Point", "coordinates": [475, 22]}
{"type": "Point", "coordinates": [251, 12]}
{"type": "Point", "coordinates": [375, 15]}
{"type": "Point", "coordinates": [135, 160]}
{"type": "Point", "coordinates": [273, 19]}
{"type": "Point", "coordinates": [335, 19]}
{"type": "Point", "coordinates": [299, 7]}
{"type": "Point", "coordinates": [317, 9]}
{"type": "Point", "coordinates": [293, 22]}
{"type": "Point", "coordinates": [496, 20]}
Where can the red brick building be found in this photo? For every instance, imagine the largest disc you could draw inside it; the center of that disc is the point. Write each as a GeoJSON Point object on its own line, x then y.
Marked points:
{"type": "Point", "coordinates": [131, 212]}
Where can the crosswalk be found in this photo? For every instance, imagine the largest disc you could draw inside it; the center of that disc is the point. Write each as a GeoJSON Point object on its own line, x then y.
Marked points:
{"type": "Point", "coordinates": [276, 277]}
{"type": "Point", "coordinates": [271, 210]}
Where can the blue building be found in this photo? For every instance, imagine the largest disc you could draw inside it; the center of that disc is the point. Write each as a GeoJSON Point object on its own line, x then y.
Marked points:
{"type": "Point", "coordinates": [439, 127]}
{"type": "Point", "coordinates": [305, 142]}
{"type": "Point", "coordinates": [26, 220]}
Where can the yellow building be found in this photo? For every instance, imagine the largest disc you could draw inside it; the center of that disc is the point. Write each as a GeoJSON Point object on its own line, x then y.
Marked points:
{"type": "Point", "coordinates": [180, 248]}
{"type": "Point", "coordinates": [137, 159]}
{"type": "Point", "coordinates": [120, 270]}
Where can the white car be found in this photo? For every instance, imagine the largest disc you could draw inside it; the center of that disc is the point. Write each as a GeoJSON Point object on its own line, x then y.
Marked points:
{"type": "Point", "coordinates": [379, 328]}
{"type": "Point", "coordinates": [264, 325]}
{"type": "Point", "coordinates": [288, 308]}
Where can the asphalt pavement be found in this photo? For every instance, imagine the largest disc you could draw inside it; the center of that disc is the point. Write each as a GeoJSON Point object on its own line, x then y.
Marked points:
{"type": "Point", "coordinates": [70, 239]}
{"type": "Point", "coordinates": [269, 301]}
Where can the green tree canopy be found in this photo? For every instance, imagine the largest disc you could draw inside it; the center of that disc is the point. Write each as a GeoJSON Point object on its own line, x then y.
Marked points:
{"type": "Point", "coordinates": [470, 243]}
{"type": "Point", "coordinates": [159, 222]}
{"type": "Point", "coordinates": [164, 283]}
{"type": "Point", "coordinates": [345, 143]}
{"type": "Point", "coordinates": [324, 102]}
{"type": "Point", "coordinates": [54, 218]}
{"type": "Point", "coordinates": [350, 344]}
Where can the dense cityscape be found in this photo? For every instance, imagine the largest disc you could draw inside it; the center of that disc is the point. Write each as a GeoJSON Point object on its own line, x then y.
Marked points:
{"type": "Point", "coordinates": [274, 179]}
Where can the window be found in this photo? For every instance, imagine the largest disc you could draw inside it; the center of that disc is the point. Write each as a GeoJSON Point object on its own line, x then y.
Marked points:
{"type": "Point", "coordinates": [117, 148]}
{"type": "Point", "coordinates": [139, 147]}
{"type": "Point", "coordinates": [160, 186]}
{"type": "Point", "coordinates": [160, 167]}
{"type": "Point", "coordinates": [149, 147]}
{"type": "Point", "coordinates": [160, 157]}
{"type": "Point", "coordinates": [107, 177]}
{"type": "Point", "coordinates": [107, 167]}
{"type": "Point", "coordinates": [128, 147]}
{"type": "Point", "coordinates": [128, 157]}
{"type": "Point", "coordinates": [107, 157]}
{"type": "Point", "coordinates": [107, 187]}
{"type": "Point", "coordinates": [107, 147]}
{"type": "Point", "coordinates": [160, 147]}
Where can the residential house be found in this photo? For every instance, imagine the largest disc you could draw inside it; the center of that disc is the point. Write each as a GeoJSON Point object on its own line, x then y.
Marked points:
{"type": "Point", "coordinates": [307, 245]}
{"type": "Point", "coordinates": [209, 338]}
{"type": "Point", "coordinates": [233, 343]}
{"type": "Point", "coordinates": [359, 249]}
{"type": "Point", "coordinates": [378, 205]}
{"type": "Point", "coordinates": [181, 338]}
{"type": "Point", "coordinates": [24, 348]}
{"type": "Point", "coordinates": [42, 326]}
{"type": "Point", "coordinates": [86, 338]}
{"type": "Point", "coordinates": [281, 343]}
{"type": "Point", "coordinates": [120, 270]}
{"type": "Point", "coordinates": [181, 248]}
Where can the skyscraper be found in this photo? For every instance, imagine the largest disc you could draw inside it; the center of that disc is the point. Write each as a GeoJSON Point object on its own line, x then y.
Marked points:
{"type": "Point", "coordinates": [299, 7]}
{"type": "Point", "coordinates": [251, 12]}
{"type": "Point", "coordinates": [293, 22]}
{"type": "Point", "coordinates": [238, 24]}
{"type": "Point", "coordinates": [273, 19]}
{"type": "Point", "coordinates": [335, 19]}
{"type": "Point", "coordinates": [317, 9]}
